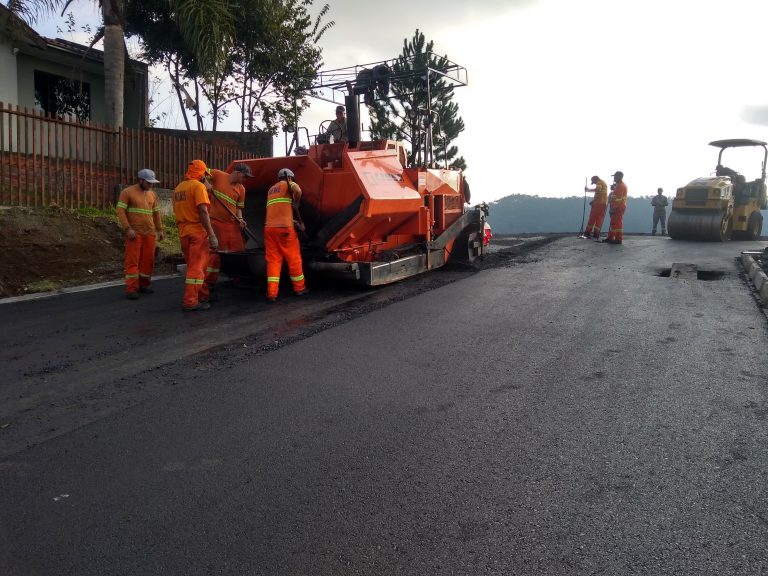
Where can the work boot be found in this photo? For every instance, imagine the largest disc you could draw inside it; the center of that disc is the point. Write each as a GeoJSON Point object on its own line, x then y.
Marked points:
{"type": "Point", "coordinates": [271, 300]}
{"type": "Point", "coordinates": [132, 295]}
{"type": "Point", "coordinates": [653, 232]}
{"type": "Point", "coordinates": [302, 292]}
{"type": "Point", "coordinates": [146, 290]}
{"type": "Point", "coordinates": [212, 295]}
{"type": "Point", "coordinates": [663, 232]}
{"type": "Point", "coordinates": [197, 307]}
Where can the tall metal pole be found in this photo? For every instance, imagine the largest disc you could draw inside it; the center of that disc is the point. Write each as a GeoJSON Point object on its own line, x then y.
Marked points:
{"type": "Point", "coordinates": [428, 153]}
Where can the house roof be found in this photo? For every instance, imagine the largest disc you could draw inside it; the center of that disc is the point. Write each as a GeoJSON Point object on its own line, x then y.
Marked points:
{"type": "Point", "coordinates": [15, 30]}
{"type": "Point", "coordinates": [20, 33]}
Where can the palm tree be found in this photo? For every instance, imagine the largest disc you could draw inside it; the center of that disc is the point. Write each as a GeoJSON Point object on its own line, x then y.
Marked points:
{"type": "Point", "coordinates": [205, 24]}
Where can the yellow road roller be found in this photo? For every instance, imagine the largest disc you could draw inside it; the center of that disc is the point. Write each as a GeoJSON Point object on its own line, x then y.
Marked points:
{"type": "Point", "coordinates": [722, 206]}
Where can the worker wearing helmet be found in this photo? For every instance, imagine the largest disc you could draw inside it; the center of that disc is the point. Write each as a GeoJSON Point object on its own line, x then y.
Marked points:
{"type": "Point", "coordinates": [598, 206]}
{"type": "Point", "coordinates": [139, 217]}
{"type": "Point", "coordinates": [280, 239]}
{"type": "Point", "coordinates": [617, 204]}
{"type": "Point", "coordinates": [226, 212]}
{"type": "Point", "coordinates": [190, 206]}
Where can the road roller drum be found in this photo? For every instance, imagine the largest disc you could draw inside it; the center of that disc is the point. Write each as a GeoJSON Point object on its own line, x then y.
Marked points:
{"type": "Point", "coordinates": [711, 226]}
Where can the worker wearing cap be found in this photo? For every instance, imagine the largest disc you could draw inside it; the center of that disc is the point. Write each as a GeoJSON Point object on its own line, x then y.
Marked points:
{"type": "Point", "coordinates": [140, 219]}
{"type": "Point", "coordinates": [280, 239]}
{"type": "Point", "coordinates": [617, 204]}
{"type": "Point", "coordinates": [190, 205]}
{"type": "Point", "coordinates": [659, 203]}
{"type": "Point", "coordinates": [226, 212]}
{"type": "Point", "coordinates": [338, 127]}
{"type": "Point", "coordinates": [598, 206]}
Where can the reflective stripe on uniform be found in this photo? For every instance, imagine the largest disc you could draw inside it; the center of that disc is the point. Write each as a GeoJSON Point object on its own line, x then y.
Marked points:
{"type": "Point", "coordinates": [209, 269]}
{"type": "Point", "coordinates": [131, 275]}
{"type": "Point", "coordinates": [122, 205]}
{"type": "Point", "coordinates": [195, 281]}
{"type": "Point", "coordinates": [139, 211]}
{"type": "Point", "coordinates": [224, 197]}
{"type": "Point", "coordinates": [279, 201]}
{"type": "Point", "coordinates": [297, 278]}
{"type": "Point", "coordinates": [144, 275]}
{"type": "Point", "coordinates": [275, 279]}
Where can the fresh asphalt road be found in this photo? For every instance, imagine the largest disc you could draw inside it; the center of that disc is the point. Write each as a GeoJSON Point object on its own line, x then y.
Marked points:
{"type": "Point", "coordinates": [574, 414]}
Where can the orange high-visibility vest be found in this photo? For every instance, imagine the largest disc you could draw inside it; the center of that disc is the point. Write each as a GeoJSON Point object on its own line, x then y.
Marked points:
{"type": "Point", "coordinates": [280, 205]}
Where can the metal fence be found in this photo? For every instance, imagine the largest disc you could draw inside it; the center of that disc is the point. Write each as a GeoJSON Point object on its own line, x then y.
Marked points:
{"type": "Point", "coordinates": [48, 161]}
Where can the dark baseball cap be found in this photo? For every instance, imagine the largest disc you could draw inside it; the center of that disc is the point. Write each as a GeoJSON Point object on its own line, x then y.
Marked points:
{"type": "Point", "coordinates": [244, 169]}
{"type": "Point", "coordinates": [339, 108]}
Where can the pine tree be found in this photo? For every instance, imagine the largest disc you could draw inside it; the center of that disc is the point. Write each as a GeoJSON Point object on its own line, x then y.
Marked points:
{"type": "Point", "coordinates": [403, 115]}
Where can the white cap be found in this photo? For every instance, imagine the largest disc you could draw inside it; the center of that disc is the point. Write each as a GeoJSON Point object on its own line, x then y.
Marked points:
{"type": "Point", "coordinates": [148, 175]}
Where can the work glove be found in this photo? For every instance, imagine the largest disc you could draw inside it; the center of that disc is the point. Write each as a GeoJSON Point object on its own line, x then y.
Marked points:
{"type": "Point", "coordinates": [213, 242]}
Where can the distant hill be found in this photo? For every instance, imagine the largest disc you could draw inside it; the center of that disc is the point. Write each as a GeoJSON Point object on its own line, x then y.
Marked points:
{"type": "Point", "coordinates": [522, 214]}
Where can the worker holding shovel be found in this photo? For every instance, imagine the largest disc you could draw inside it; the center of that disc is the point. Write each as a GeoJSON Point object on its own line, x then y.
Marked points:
{"type": "Point", "coordinates": [226, 212]}
{"type": "Point", "coordinates": [598, 206]}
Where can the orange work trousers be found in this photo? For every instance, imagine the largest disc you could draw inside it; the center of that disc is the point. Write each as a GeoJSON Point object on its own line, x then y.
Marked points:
{"type": "Point", "coordinates": [139, 261]}
{"type": "Point", "coordinates": [196, 251]}
{"type": "Point", "coordinates": [596, 217]}
{"type": "Point", "coordinates": [230, 240]}
{"type": "Point", "coordinates": [616, 231]}
{"type": "Point", "coordinates": [282, 243]}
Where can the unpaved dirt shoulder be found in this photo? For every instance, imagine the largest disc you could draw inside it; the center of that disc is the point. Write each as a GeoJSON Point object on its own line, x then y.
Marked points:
{"type": "Point", "coordinates": [47, 249]}
{"type": "Point", "coordinates": [105, 373]}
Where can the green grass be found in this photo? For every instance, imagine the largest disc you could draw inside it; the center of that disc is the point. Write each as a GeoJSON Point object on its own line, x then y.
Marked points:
{"type": "Point", "coordinates": [41, 286]}
{"type": "Point", "coordinates": [93, 212]}
{"type": "Point", "coordinates": [170, 243]}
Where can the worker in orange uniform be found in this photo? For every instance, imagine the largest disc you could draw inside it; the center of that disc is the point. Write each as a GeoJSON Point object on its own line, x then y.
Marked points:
{"type": "Point", "coordinates": [598, 206]}
{"type": "Point", "coordinates": [617, 204]}
{"type": "Point", "coordinates": [139, 216]}
{"type": "Point", "coordinates": [226, 214]}
{"type": "Point", "coordinates": [280, 239]}
{"type": "Point", "coordinates": [190, 205]}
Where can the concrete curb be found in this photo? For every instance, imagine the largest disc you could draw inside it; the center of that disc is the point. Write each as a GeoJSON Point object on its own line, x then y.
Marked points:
{"type": "Point", "coordinates": [74, 289]}
{"type": "Point", "coordinates": [758, 277]}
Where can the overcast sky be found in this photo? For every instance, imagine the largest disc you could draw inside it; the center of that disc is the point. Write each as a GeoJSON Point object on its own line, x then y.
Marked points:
{"type": "Point", "coordinates": [561, 89]}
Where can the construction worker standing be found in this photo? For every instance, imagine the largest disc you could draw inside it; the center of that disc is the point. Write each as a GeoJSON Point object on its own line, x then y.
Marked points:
{"type": "Point", "coordinates": [597, 211]}
{"type": "Point", "coordinates": [280, 239]}
{"type": "Point", "coordinates": [659, 203]}
{"type": "Point", "coordinates": [139, 216]}
{"type": "Point", "coordinates": [226, 214]}
{"type": "Point", "coordinates": [617, 204]}
{"type": "Point", "coordinates": [190, 205]}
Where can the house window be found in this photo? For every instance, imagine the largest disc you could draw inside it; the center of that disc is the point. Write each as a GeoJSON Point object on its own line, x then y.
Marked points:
{"type": "Point", "coordinates": [61, 96]}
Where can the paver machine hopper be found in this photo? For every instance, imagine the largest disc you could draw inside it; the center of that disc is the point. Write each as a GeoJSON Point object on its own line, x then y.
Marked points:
{"type": "Point", "coordinates": [369, 215]}
{"type": "Point", "coordinates": [722, 206]}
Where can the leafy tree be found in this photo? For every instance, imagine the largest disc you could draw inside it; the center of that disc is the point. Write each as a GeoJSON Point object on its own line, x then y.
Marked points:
{"type": "Point", "coordinates": [403, 115]}
{"type": "Point", "coordinates": [267, 66]}
{"type": "Point", "coordinates": [204, 25]}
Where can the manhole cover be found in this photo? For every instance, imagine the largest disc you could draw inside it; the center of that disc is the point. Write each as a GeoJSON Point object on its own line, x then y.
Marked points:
{"type": "Point", "coordinates": [684, 271]}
